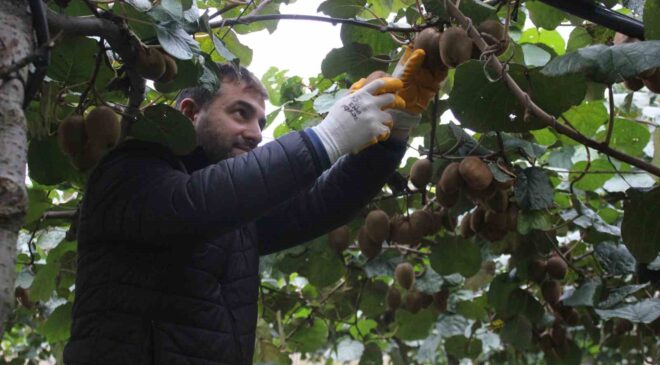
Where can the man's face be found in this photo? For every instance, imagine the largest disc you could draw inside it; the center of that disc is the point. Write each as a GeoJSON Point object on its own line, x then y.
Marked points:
{"type": "Point", "coordinates": [231, 124]}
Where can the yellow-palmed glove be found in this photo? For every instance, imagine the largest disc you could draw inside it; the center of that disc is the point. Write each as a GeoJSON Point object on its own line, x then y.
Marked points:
{"type": "Point", "coordinates": [419, 83]}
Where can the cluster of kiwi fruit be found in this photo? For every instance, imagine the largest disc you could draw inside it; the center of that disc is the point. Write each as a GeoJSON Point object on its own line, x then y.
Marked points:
{"type": "Point", "coordinates": [86, 139]}
{"type": "Point", "coordinates": [154, 64]}
{"type": "Point", "coordinates": [413, 300]}
{"type": "Point", "coordinates": [495, 214]}
{"type": "Point", "coordinates": [649, 78]}
{"type": "Point", "coordinates": [452, 47]}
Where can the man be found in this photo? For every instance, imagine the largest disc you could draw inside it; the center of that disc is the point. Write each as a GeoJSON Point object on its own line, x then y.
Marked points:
{"type": "Point", "coordinates": [169, 245]}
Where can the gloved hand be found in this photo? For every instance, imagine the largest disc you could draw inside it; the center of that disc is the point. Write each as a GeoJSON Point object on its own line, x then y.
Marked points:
{"type": "Point", "coordinates": [419, 83]}
{"type": "Point", "coordinates": [357, 120]}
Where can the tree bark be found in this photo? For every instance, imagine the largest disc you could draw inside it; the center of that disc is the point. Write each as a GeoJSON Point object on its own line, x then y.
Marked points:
{"type": "Point", "coordinates": [16, 43]}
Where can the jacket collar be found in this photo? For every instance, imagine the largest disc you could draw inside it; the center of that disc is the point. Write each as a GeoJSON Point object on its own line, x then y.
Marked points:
{"type": "Point", "coordinates": [195, 160]}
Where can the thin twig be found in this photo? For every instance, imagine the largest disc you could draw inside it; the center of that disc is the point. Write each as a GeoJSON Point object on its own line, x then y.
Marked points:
{"type": "Point", "coordinates": [334, 21]}
{"type": "Point", "coordinates": [583, 174]}
{"type": "Point", "coordinates": [92, 80]}
{"type": "Point", "coordinates": [434, 123]}
{"type": "Point", "coordinates": [610, 126]}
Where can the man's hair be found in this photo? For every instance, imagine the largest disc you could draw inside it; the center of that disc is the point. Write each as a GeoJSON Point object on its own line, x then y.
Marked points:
{"type": "Point", "coordinates": [228, 73]}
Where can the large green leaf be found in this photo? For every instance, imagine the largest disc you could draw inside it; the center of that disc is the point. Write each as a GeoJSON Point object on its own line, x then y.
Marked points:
{"type": "Point", "coordinates": [533, 190]}
{"type": "Point", "coordinates": [483, 106]}
{"type": "Point", "coordinates": [380, 42]}
{"type": "Point", "coordinates": [627, 136]}
{"type": "Point", "coordinates": [615, 259]}
{"type": "Point", "coordinates": [355, 59]}
{"type": "Point", "coordinates": [500, 290]}
{"type": "Point", "coordinates": [453, 254]}
{"type": "Point", "coordinates": [372, 355]}
{"type": "Point", "coordinates": [644, 311]}
{"type": "Point", "coordinates": [188, 74]}
{"type": "Point", "coordinates": [176, 41]}
{"type": "Point", "coordinates": [543, 15]}
{"type": "Point", "coordinates": [414, 326]}
{"type": "Point", "coordinates": [372, 300]}
{"type": "Point", "coordinates": [586, 118]}
{"type": "Point", "coordinates": [57, 326]}
{"type": "Point", "coordinates": [73, 62]}
{"type": "Point", "coordinates": [310, 337]}
{"type": "Point", "coordinates": [591, 182]}
{"type": "Point", "coordinates": [46, 162]}
{"type": "Point", "coordinates": [619, 294]}
{"type": "Point", "coordinates": [640, 229]}
{"type": "Point", "coordinates": [461, 347]}
{"type": "Point", "coordinates": [584, 295]}
{"type": "Point", "coordinates": [167, 126]}
{"type": "Point", "coordinates": [652, 19]}
{"type": "Point", "coordinates": [607, 64]}
{"type": "Point", "coordinates": [477, 11]}
{"type": "Point", "coordinates": [341, 8]}
{"type": "Point", "coordinates": [518, 332]}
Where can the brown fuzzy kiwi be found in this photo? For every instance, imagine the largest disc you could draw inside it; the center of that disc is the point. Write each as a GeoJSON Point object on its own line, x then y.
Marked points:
{"type": "Point", "coordinates": [440, 300]}
{"type": "Point", "coordinates": [653, 83]}
{"type": "Point", "coordinates": [493, 232]}
{"type": "Point", "coordinates": [448, 220]}
{"type": "Point", "coordinates": [420, 173]}
{"type": "Point", "coordinates": [570, 316]}
{"type": "Point", "coordinates": [633, 83]}
{"type": "Point", "coordinates": [404, 275]}
{"type": "Point", "coordinates": [512, 217]}
{"type": "Point", "coordinates": [496, 220]}
{"type": "Point", "coordinates": [450, 180]}
{"type": "Point", "coordinates": [436, 220]}
{"type": "Point", "coordinates": [482, 195]}
{"type": "Point", "coordinates": [536, 270]}
{"type": "Point", "coordinates": [546, 343]}
{"type": "Point", "coordinates": [557, 267]}
{"type": "Point", "coordinates": [421, 223]}
{"type": "Point", "coordinates": [339, 238]}
{"type": "Point", "coordinates": [455, 47]}
{"type": "Point", "coordinates": [71, 135]}
{"type": "Point", "coordinates": [445, 199]}
{"type": "Point", "coordinates": [23, 296]}
{"type": "Point", "coordinates": [171, 69]}
{"type": "Point", "coordinates": [103, 127]}
{"type": "Point", "coordinates": [377, 225]}
{"type": "Point", "coordinates": [648, 73]}
{"type": "Point", "coordinates": [89, 157]}
{"type": "Point", "coordinates": [476, 173]}
{"type": "Point", "coordinates": [368, 247]}
{"type": "Point", "coordinates": [499, 202]}
{"type": "Point", "coordinates": [504, 185]}
{"type": "Point", "coordinates": [622, 326]}
{"type": "Point", "coordinates": [150, 63]}
{"type": "Point", "coordinates": [466, 230]}
{"type": "Point", "coordinates": [428, 40]}
{"type": "Point", "coordinates": [495, 33]}
{"type": "Point", "coordinates": [414, 301]}
{"type": "Point", "coordinates": [551, 291]}
{"type": "Point", "coordinates": [401, 231]}
{"type": "Point", "coordinates": [393, 298]}
{"type": "Point", "coordinates": [477, 219]}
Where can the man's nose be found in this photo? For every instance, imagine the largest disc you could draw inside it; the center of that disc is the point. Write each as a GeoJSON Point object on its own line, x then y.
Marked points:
{"type": "Point", "coordinates": [252, 134]}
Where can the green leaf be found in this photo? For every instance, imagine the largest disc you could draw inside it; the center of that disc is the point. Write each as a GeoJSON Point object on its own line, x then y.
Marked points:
{"type": "Point", "coordinates": [46, 162]}
{"type": "Point", "coordinates": [615, 259]}
{"type": "Point", "coordinates": [607, 64]}
{"type": "Point", "coordinates": [318, 263]}
{"type": "Point", "coordinates": [461, 347]}
{"type": "Point", "coordinates": [477, 11]}
{"type": "Point", "coordinates": [534, 220]}
{"type": "Point", "coordinates": [272, 79]}
{"type": "Point", "coordinates": [38, 203]}
{"type": "Point", "coordinates": [473, 309]}
{"type": "Point", "coordinates": [591, 182]}
{"type": "Point", "coordinates": [644, 311]}
{"type": "Point", "coordinates": [533, 190]}
{"type": "Point", "coordinates": [354, 59]}
{"type": "Point", "coordinates": [455, 255]}
{"type": "Point", "coordinates": [579, 38]}
{"type": "Point", "coordinates": [619, 294]}
{"type": "Point", "coordinates": [44, 281]}
{"type": "Point", "coordinates": [628, 137]}
{"type": "Point", "coordinates": [310, 337]}
{"type": "Point", "coordinates": [324, 102]}
{"type": "Point", "coordinates": [233, 48]}
{"type": "Point", "coordinates": [543, 15]}
{"type": "Point", "coordinates": [651, 19]}
{"type": "Point", "coordinates": [73, 62]}
{"type": "Point", "coordinates": [500, 290]}
{"type": "Point", "coordinates": [139, 22]}
{"type": "Point", "coordinates": [341, 8]}
{"type": "Point", "coordinates": [640, 229]}
{"type": "Point", "coordinates": [583, 295]}
{"type": "Point", "coordinates": [383, 264]}
{"type": "Point", "coordinates": [188, 74]}
{"type": "Point", "coordinates": [57, 327]}
{"type": "Point", "coordinates": [372, 300]}
{"type": "Point", "coordinates": [430, 282]}
{"type": "Point", "coordinates": [550, 40]}
{"type": "Point", "coordinates": [380, 42]}
{"type": "Point", "coordinates": [414, 326]}
{"type": "Point", "coordinates": [167, 126]}
{"type": "Point", "coordinates": [176, 41]}
{"type": "Point", "coordinates": [535, 56]}
{"type": "Point", "coordinates": [567, 354]}
{"type": "Point", "coordinates": [497, 109]}
{"type": "Point", "coordinates": [520, 302]}
{"type": "Point", "coordinates": [371, 355]}
{"type": "Point", "coordinates": [518, 332]}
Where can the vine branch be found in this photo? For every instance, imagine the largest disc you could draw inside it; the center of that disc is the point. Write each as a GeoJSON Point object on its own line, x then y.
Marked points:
{"type": "Point", "coordinates": [534, 109]}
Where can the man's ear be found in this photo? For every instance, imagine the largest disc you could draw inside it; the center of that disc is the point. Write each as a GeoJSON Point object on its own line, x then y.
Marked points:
{"type": "Point", "coordinates": [189, 108]}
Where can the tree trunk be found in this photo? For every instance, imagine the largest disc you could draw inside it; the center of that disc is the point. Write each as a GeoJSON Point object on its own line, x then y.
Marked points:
{"type": "Point", "coordinates": [15, 45]}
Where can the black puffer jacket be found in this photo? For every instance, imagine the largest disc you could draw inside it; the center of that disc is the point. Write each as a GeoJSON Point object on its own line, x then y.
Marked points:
{"type": "Point", "coordinates": [169, 247]}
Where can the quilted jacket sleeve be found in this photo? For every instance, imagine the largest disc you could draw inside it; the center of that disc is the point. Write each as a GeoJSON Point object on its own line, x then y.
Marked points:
{"type": "Point", "coordinates": [332, 200]}
{"type": "Point", "coordinates": [142, 197]}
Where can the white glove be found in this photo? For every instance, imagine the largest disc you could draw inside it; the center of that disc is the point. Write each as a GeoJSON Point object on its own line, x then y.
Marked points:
{"type": "Point", "coordinates": [404, 120]}
{"type": "Point", "coordinates": [357, 120]}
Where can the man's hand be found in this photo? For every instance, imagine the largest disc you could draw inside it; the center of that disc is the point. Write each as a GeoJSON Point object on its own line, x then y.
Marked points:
{"type": "Point", "coordinates": [419, 83]}
{"type": "Point", "coordinates": [357, 120]}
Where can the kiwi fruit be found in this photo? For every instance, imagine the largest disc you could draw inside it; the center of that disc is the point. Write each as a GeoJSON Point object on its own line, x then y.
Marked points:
{"type": "Point", "coordinates": [103, 127]}
{"type": "Point", "coordinates": [499, 202]}
{"type": "Point", "coordinates": [466, 230]}
{"type": "Point", "coordinates": [401, 231]}
{"type": "Point", "coordinates": [445, 199]}
{"type": "Point", "coordinates": [551, 291]}
{"type": "Point", "coordinates": [414, 301]}
{"type": "Point", "coordinates": [150, 63]}
{"type": "Point", "coordinates": [633, 83]}
{"type": "Point", "coordinates": [476, 173]}
{"type": "Point", "coordinates": [653, 83]}
{"type": "Point", "coordinates": [71, 135]}
{"type": "Point", "coordinates": [558, 334]}
{"type": "Point", "coordinates": [556, 267]}
{"type": "Point", "coordinates": [368, 247]}
{"type": "Point", "coordinates": [570, 316]}
{"type": "Point", "coordinates": [482, 195]}
{"type": "Point", "coordinates": [440, 300]}
{"type": "Point", "coordinates": [429, 40]}
{"type": "Point", "coordinates": [647, 74]}
{"type": "Point", "coordinates": [436, 220]}
{"type": "Point", "coordinates": [377, 225]}
{"type": "Point", "coordinates": [546, 343]}
{"type": "Point", "coordinates": [421, 223]}
{"type": "Point", "coordinates": [450, 180]}
{"type": "Point", "coordinates": [393, 298]}
{"type": "Point", "coordinates": [339, 238]}
{"type": "Point", "coordinates": [171, 69]}
{"type": "Point", "coordinates": [477, 220]}
{"type": "Point", "coordinates": [23, 296]}
{"type": "Point", "coordinates": [455, 47]}
{"type": "Point", "coordinates": [622, 326]}
{"type": "Point", "coordinates": [496, 220]}
{"type": "Point", "coordinates": [495, 30]}
{"type": "Point", "coordinates": [421, 171]}
{"type": "Point", "coordinates": [536, 270]}
{"type": "Point", "coordinates": [448, 220]}
{"type": "Point", "coordinates": [89, 157]}
{"type": "Point", "coordinates": [512, 217]}
{"type": "Point", "coordinates": [404, 275]}
{"type": "Point", "coordinates": [493, 232]}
